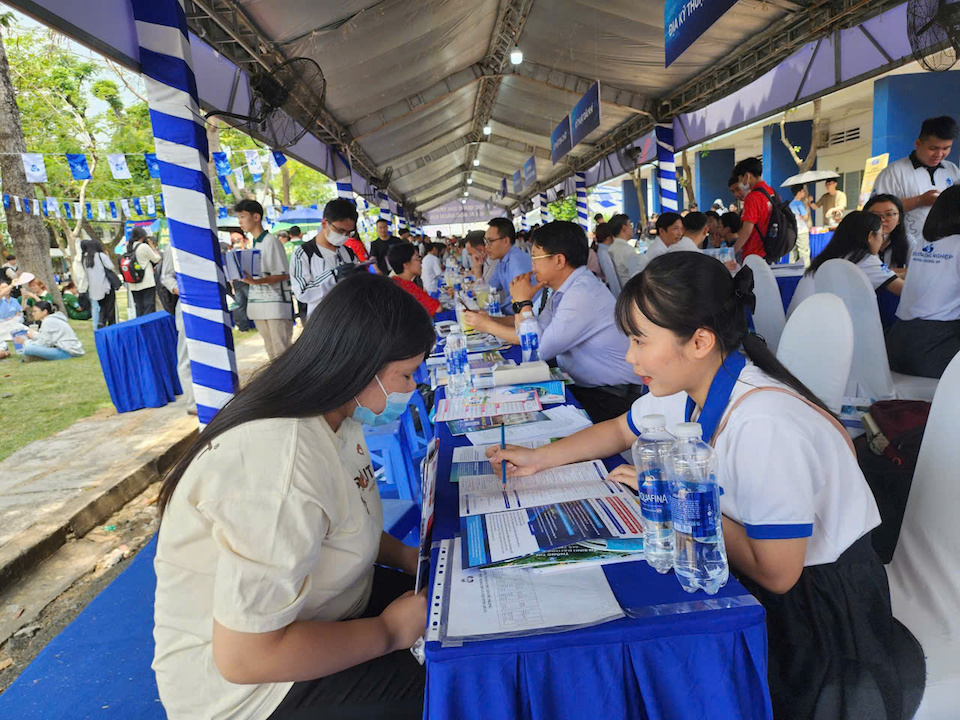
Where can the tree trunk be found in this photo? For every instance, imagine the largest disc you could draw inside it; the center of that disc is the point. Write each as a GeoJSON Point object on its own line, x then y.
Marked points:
{"type": "Point", "coordinates": [687, 179]}
{"type": "Point", "coordinates": [285, 175]}
{"type": "Point", "coordinates": [213, 138]}
{"type": "Point", "coordinates": [31, 242]}
{"type": "Point", "coordinates": [641, 200]}
{"type": "Point", "coordinates": [807, 163]}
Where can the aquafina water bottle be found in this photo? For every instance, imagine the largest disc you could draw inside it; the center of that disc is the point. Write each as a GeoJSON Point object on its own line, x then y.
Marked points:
{"type": "Point", "coordinates": [529, 337]}
{"type": "Point", "coordinates": [651, 452]}
{"type": "Point", "coordinates": [700, 559]}
{"type": "Point", "coordinates": [493, 304]}
{"type": "Point", "coordinates": [458, 367]}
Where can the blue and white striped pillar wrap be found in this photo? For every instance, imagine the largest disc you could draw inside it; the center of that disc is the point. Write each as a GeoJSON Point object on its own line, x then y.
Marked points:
{"type": "Point", "coordinates": [401, 217]}
{"type": "Point", "coordinates": [180, 139]}
{"type": "Point", "coordinates": [582, 213]}
{"type": "Point", "coordinates": [385, 213]}
{"type": "Point", "coordinates": [544, 212]}
{"type": "Point", "coordinates": [667, 172]}
{"type": "Point", "coordinates": [523, 222]}
{"type": "Point", "coordinates": [345, 188]}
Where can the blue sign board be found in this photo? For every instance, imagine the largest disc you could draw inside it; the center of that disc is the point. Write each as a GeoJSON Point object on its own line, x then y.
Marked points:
{"type": "Point", "coordinates": [585, 117]}
{"type": "Point", "coordinates": [686, 20]}
{"type": "Point", "coordinates": [560, 143]}
{"type": "Point", "coordinates": [503, 188]}
{"type": "Point", "coordinates": [530, 171]}
{"type": "Point", "coordinates": [517, 182]}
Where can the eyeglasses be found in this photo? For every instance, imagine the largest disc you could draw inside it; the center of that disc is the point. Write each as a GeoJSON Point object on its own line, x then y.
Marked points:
{"type": "Point", "coordinates": [541, 257]}
{"type": "Point", "coordinates": [490, 241]}
{"type": "Point", "coordinates": [889, 215]}
{"type": "Point", "coordinates": [348, 233]}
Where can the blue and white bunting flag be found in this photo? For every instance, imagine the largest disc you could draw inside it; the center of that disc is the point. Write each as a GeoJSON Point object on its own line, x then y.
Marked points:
{"type": "Point", "coordinates": [137, 206]}
{"type": "Point", "coordinates": [6, 201]}
{"type": "Point", "coordinates": [66, 209]}
{"type": "Point", "coordinates": [222, 163]}
{"type": "Point", "coordinates": [222, 213]}
{"type": "Point", "coordinates": [17, 206]}
{"type": "Point", "coordinates": [151, 205]}
{"type": "Point", "coordinates": [78, 166]}
{"type": "Point", "coordinates": [125, 204]}
{"type": "Point", "coordinates": [35, 204]}
{"type": "Point", "coordinates": [101, 210]}
{"type": "Point", "coordinates": [118, 166]}
{"type": "Point", "coordinates": [224, 184]}
{"type": "Point", "coordinates": [277, 159]}
{"type": "Point", "coordinates": [89, 211]}
{"type": "Point", "coordinates": [238, 174]}
{"type": "Point", "coordinates": [153, 167]}
{"type": "Point", "coordinates": [256, 177]}
{"type": "Point", "coordinates": [34, 167]}
{"type": "Point", "coordinates": [76, 210]}
{"type": "Point", "coordinates": [254, 165]}
{"type": "Point", "coordinates": [113, 210]}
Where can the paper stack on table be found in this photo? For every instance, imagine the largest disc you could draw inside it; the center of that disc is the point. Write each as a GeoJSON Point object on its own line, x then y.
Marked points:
{"type": "Point", "coordinates": [561, 421]}
{"type": "Point", "coordinates": [485, 405]}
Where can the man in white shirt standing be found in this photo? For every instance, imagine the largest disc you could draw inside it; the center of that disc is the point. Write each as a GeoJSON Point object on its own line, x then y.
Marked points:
{"type": "Point", "coordinates": [314, 265]}
{"type": "Point", "coordinates": [919, 178]}
{"type": "Point", "coordinates": [626, 261]}
{"type": "Point", "coordinates": [669, 233]}
{"type": "Point", "coordinates": [269, 303]}
{"type": "Point", "coordinates": [695, 231]}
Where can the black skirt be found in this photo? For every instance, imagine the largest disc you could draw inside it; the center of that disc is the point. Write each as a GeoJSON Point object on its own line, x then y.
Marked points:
{"type": "Point", "coordinates": [835, 649]}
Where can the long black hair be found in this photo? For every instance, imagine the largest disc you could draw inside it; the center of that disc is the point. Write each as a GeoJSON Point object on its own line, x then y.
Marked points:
{"type": "Point", "coordinates": [683, 292]}
{"type": "Point", "coordinates": [90, 248]}
{"type": "Point", "coordinates": [944, 217]}
{"type": "Point", "coordinates": [365, 322]}
{"type": "Point", "coordinates": [850, 241]}
{"type": "Point", "coordinates": [899, 244]}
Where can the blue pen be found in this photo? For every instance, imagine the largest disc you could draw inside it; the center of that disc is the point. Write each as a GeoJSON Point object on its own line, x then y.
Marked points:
{"type": "Point", "coordinates": [503, 445]}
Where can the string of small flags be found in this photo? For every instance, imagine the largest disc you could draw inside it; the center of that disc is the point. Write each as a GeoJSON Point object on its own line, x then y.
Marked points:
{"type": "Point", "coordinates": [101, 210]}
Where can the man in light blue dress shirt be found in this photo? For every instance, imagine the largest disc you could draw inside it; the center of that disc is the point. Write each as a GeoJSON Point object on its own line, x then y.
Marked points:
{"type": "Point", "coordinates": [577, 326]}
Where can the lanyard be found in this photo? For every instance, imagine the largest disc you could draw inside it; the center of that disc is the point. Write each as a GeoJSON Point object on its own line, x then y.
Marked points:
{"type": "Point", "coordinates": [718, 396]}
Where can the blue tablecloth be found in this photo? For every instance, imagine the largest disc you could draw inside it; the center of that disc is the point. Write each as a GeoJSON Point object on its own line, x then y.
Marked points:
{"type": "Point", "coordinates": [660, 664]}
{"type": "Point", "coordinates": [788, 286]}
{"type": "Point", "coordinates": [139, 361]}
{"type": "Point", "coordinates": [818, 241]}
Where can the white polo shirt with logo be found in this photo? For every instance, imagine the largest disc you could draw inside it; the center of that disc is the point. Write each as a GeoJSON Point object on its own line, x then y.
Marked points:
{"type": "Point", "coordinates": [931, 290]}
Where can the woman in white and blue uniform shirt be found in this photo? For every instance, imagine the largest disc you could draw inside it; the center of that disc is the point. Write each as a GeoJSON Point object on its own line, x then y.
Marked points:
{"type": "Point", "coordinates": [858, 239]}
{"type": "Point", "coordinates": [926, 336]}
{"type": "Point", "coordinates": [797, 510]}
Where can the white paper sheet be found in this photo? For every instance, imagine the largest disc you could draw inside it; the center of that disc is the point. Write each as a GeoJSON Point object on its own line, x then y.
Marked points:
{"type": "Point", "coordinates": [481, 405]}
{"type": "Point", "coordinates": [564, 420]}
{"type": "Point", "coordinates": [239, 263]}
{"type": "Point", "coordinates": [494, 602]}
{"type": "Point", "coordinates": [486, 493]}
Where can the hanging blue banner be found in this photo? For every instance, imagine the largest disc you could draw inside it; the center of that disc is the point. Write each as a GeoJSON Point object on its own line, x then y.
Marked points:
{"type": "Point", "coordinates": [137, 206]}
{"type": "Point", "coordinates": [279, 158]}
{"type": "Point", "coordinates": [113, 210]}
{"type": "Point", "coordinates": [256, 177]}
{"type": "Point", "coordinates": [222, 164]}
{"type": "Point", "coordinates": [517, 181]}
{"type": "Point", "coordinates": [686, 20]}
{"type": "Point", "coordinates": [530, 171]}
{"type": "Point", "coordinates": [89, 211]}
{"type": "Point", "coordinates": [6, 201]}
{"type": "Point", "coordinates": [585, 117]}
{"type": "Point", "coordinates": [560, 140]}
{"type": "Point", "coordinates": [223, 184]}
{"type": "Point", "coordinates": [78, 166]}
{"type": "Point", "coordinates": [153, 167]}
{"type": "Point", "coordinates": [222, 213]}
{"type": "Point", "coordinates": [66, 209]}
{"type": "Point", "coordinates": [503, 187]}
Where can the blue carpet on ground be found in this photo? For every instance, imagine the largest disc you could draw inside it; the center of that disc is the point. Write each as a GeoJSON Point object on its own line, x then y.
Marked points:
{"type": "Point", "coordinates": [99, 666]}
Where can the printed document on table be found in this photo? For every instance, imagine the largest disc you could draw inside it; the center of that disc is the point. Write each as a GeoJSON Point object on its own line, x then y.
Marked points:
{"type": "Point", "coordinates": [562, 421]}
{"type": "Point", "coordinates": [511, 534]}
{"type": "Point", "coordinates": [472, 459]}
{"type": "Point", "coordinates": [481, 494]}
{"type": "Point", "coordinates": [471, 407]}
{"type": "Point", "coordinates": [501, 602]}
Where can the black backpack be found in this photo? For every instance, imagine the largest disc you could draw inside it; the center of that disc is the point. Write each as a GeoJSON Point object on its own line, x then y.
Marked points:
{"type": "Point", "coordinates": [781, 236]}
{"type": "Point", "coordinates": [344, 268]}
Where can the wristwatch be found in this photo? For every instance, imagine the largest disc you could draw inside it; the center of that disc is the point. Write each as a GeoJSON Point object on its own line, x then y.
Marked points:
{"type": "Point", "coordinates": [518, 306]}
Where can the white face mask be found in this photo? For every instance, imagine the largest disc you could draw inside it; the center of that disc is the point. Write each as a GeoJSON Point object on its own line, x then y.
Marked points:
{"type": "Point", "coordinates": [744, 187]}
{"type": "Point", "coordinates": [336, 239]}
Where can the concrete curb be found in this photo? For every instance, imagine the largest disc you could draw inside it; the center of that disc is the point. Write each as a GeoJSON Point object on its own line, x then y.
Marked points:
{"type": "Point", "coordinates": [82, 514]}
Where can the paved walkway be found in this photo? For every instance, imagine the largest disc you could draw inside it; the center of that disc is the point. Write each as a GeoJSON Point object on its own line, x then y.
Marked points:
{"type": "Point", "coordinates": [67, 484]}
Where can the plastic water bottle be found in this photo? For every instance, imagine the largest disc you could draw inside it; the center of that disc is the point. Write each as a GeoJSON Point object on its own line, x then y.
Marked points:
{"type": "Point", "coordinates": [458, 367]}
{"type": "Point", "coordinates": [651, 453]}
{"type": "Point", "coordinates": [493, 304]}
{"type": "Point", "coordinates": [529, 337]}
{"type": "Point", "coordinates": [700, 559]}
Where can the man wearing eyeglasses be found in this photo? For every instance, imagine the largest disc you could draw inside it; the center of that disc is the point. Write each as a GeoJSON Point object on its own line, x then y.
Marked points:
{"type": "Point", "coordinates": [577, 325]}
{"type": "Point", "coordinates": [317, 264]}
{"type": "Point", "coordinates": [499, 240]}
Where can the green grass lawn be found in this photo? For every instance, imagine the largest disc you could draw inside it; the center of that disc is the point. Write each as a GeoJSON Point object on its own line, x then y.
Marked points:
{"type": "Point", "coordinates": [38, 399]}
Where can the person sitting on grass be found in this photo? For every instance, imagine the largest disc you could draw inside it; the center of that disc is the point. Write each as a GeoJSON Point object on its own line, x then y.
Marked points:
{"type": "Point", "coordinates": [71, 301]}
{"type": "Point", "coordinates": [55, 340]}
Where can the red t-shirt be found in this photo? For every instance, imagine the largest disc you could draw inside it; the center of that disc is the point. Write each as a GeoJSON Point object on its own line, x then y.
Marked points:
{"type": "Point", "coordinates": [430, 304]}
{"type": "Point", "coordinates": [358, 249]}
{"type": "Point", "coordinates": [756, 209]}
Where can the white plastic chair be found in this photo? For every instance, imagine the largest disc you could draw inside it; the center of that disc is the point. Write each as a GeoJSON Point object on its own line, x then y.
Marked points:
{"type": "Point", "coordinates": [870, 374]}
{"type": "Point", "coordinates": [769, 318]}
{"type": "Point", "coordinates": [925, 571]}
{"type": "Point", "coordinates": [817, 347]}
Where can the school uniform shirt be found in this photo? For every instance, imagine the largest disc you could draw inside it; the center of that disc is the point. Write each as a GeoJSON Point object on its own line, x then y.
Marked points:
{"type": "Point", "coordinates": [656, 248]}
{"type": "Point", "coordinates": [98, 287]}
{"type": "Point", "coordinates": [431, 305]}
{"type": "Point", "coordinates": [685, 245]}
{"type": "Point", "coordinates": [270, 302]}
{"type": "Point", "coordinates": [277, 520]}
{"type": "Point", "coordinates": [577, 327]}
{"type": "Point", "coordinates": [799, 210]}
{"type": "Point", "coordinates": [312, 270]}
{"type": "Point", "coordinates": [757, 209]}
{"type": "Point", "coordinates": [515, 262]}
{"type": "Point", "coordinates": [872, 266]}
{"type": "Point", "coordinates": [626, 261]}
{"type": "Point", "coordinates": [785, 470]}
{"type": "Point", "coordinates": [431, 273]}
{"type": "Point", "coordinates": [908, 177]}
{"type": "Point", "coordinates": [931, 290]}
{"type": "Point", "coordinates": [610, 276]}
{"type": "Point", "coordinates": [147, 257]}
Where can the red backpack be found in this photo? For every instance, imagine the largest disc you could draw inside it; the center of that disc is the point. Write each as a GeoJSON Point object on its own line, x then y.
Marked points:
{"type": "Point", "coordinates": [130, 268]}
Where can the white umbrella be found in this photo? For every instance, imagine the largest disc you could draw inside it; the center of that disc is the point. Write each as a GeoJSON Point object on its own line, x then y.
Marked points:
{"type": "Point", "coordinates": [809, 176]}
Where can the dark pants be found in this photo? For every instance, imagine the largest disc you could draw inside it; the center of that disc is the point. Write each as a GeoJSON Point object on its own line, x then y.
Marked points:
{"type": "Point", "coordinates": [145, 301]}
{"type": "Point", "coordinates": [240, 293]}
{"type": "Point", "coordinates": [108, 310]}
{"type": "Point", "coordinates": [608, 401]}
{"type": "Point", "coordinates": [389, 687]}
{"type": "Point", "coordinates": [922, 347]}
